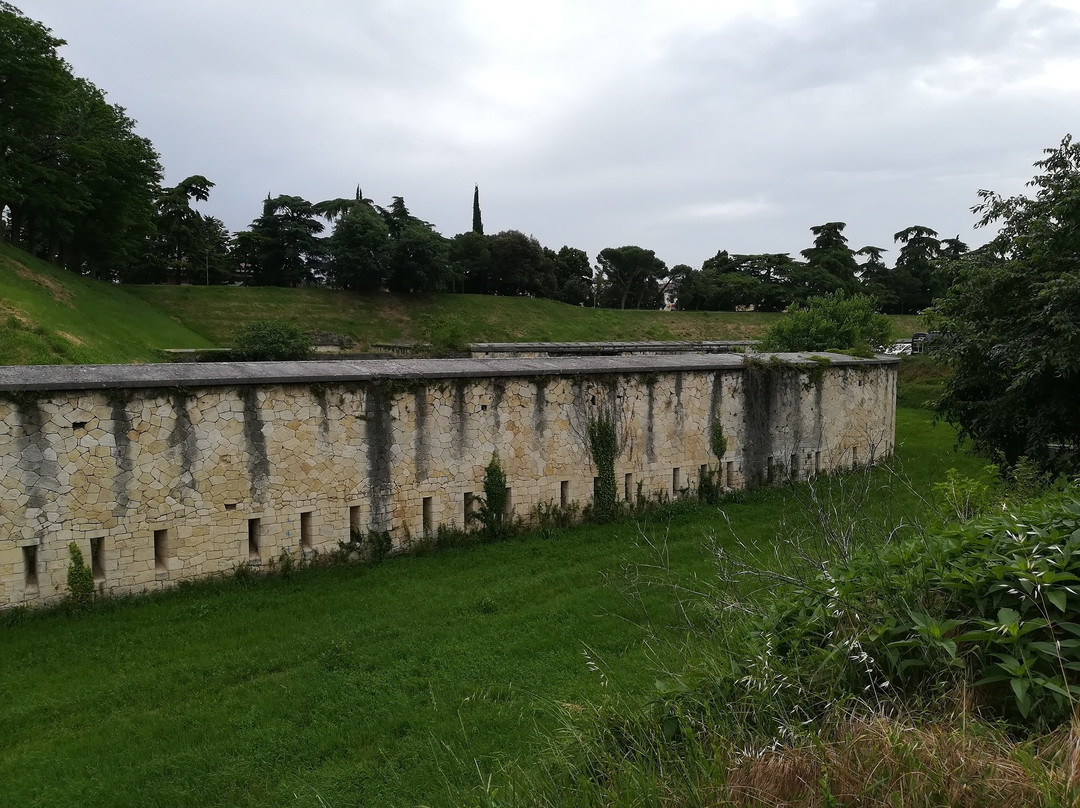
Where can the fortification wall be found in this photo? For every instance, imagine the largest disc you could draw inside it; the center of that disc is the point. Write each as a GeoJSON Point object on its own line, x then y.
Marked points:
{"type": "Point", "coordinates": [167, 473]}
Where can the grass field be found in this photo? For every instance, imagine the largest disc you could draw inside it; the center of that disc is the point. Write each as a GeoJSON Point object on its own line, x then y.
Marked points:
{"type": "Point", "coordinates": [400, 684]}
{"type": "Point", "coordinates": [50, 316]}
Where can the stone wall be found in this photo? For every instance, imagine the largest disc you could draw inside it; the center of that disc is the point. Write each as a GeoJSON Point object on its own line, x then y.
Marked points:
{"type": "Point", "coordinates": [173, 472]}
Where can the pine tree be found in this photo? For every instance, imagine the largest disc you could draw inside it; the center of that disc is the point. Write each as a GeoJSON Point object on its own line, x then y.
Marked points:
{"type": "Point", "coordinates": [477, 225]}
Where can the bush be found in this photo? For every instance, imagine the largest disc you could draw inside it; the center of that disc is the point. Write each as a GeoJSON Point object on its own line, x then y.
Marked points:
{"type": "Point", "coordinates": [269, 341]}
{"type": "Point", "coordinates": [832, 322]}
{"type": "Point", "coordinates": [990, 606]}
{"type": "Point", "coordinates": [80, 578]}
{"type": "Point", "coordinates": [491, 507]}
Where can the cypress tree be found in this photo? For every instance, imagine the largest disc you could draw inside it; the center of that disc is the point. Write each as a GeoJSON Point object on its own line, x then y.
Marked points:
{"type": "Point", "coordinates": [477, 225]}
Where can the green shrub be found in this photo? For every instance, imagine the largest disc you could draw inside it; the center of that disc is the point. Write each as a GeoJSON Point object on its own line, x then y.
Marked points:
{"type": "Point", "coordinates": [80, 578]}
{"type": "Point", "coordinates": [270, 340]}
{"type": "Point", "coordinates": [990, 605]}
{"type": "Point", "coordinates": [832, 322]}
{"type": "Point", "coordinates": [491, 506]}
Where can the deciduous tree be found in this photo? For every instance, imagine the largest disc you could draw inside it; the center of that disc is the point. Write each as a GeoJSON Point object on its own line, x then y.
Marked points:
{"type": "Point", "coordinates": [1011, 322]}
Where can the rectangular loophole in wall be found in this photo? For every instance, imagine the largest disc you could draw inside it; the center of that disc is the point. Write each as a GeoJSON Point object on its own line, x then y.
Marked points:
{"type": "Point", "coordinates": [305, 530]}
{"type": "Point", "coordinates": [426, 522]}
{"type": "Point", "coordinates": [161, 550]}
{"type": "Point", "coordinates": [854, 456]}
{"type": "Point", "coordinates": [729, 474]}
{"type": "Point", "coordinates": [468, 504]}
{"type": "Point", "coordinates": [509, 509]}
{"type": "Point", "coordinates": [230, 506]}
{"type": "Point", "coordinates": [703, 473]}
{"type": "Point", "coordinates": [794, 468]}
{"type": "Point", "coordinates": [817, 462]}
{"type": "Point", "coordinates": [628, 487]}
{"type": "Point", "coordinates": [564, 493]}
{"type": "Point", "coordinates": [254, 539]}
{"type": "Point", "coordinates": [354, 519]}
{"type": "Point", "coordinates": [97, 557]}
{"type": "Point", "coordinates": [676, 481]}
{"type": "Point", "coordinates": [30, 568]}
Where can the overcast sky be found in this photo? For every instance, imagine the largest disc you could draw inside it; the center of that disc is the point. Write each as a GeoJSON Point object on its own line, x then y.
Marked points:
{"type": "Point", "coordinates": [682, 126]}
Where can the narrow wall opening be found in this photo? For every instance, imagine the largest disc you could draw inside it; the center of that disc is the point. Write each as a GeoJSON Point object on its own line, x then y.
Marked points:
{"type": "Point", "coordinates": [628, 487]}
{"type": "Point", "coordinates": [97, 557]}
{"type": "Point", "coordinates": [426, 515]}
{"type": "Point", "coordinates": [676, 481]}
{"type": "Point", "coordinates": [729, 473]}
{"type": "Point", "coordinates": [508, 511]}
{"type": "Point", "coordinates": [305, 530]}
{"type": "Point", "coordinates": [30, 567]}
{"type": "Point", "coordinates": [254, 539]}
{"type": "Point", "coordinates": [161, 550]}
{"type": "Point", "coordinates": [564, 493]}
{"type": "Point", "coordinates": [354, 519]}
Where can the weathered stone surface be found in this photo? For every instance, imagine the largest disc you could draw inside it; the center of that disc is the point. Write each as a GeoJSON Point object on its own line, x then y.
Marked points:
{"type": "Point", "coordinates": [171, 474]}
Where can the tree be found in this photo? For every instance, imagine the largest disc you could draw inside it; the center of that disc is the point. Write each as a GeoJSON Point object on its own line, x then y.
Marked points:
{"type": "Point", "coordinates": [419, 255]}
{"type": "Point", "coordinates": [630, 278]}
{"type": "Point", "coordinates": [282, 247]}
{"type": "Point", "coordinates": [830, 264]}
{"type": "Point", "coordinates": [470, 262]}
{"type": "Point", "coordinates": [519, 266]}
{"type": "Point", "coordinates": [359, 249]}
{"type": "Point", "coordinates": [477, 224]}
{"type": "Point", "coordinates": [573, 275]}
{"type": "Point", "coordinates": [833, 322]}
{"type": "Point", "coordinates": [1010, 324]}
{"type": "Point", "coordinates": [727, 282]}
{"type": "Point", "coordinates": [916, 279]}
{"type": "Point", "coordinates": [77, 185]}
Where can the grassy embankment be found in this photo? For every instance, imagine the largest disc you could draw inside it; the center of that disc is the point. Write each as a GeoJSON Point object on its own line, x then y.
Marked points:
{"type": "Point", "coordinates": [50, 316]}
{"type": "Point", "coordinates": [393, 685]}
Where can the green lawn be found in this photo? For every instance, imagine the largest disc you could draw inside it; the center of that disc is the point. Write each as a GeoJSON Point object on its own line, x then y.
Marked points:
{"type": "Point", "coordinates": [51, 316]}
{"type": "Point", "coordinates": [393, 685]}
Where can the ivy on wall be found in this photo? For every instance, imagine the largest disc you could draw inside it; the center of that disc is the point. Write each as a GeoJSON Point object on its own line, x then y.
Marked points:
{"type": "Point", "coordinates": [604, 447]}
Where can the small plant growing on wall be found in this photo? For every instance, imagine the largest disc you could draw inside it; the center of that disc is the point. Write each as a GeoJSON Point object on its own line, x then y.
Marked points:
{"type": "Point", "coordinates": [604, 447]}
{"type": "Point", "coordinates": [491, 507]}
{"type": "Point", "coordinates": [709, 489]}
{"type": "Point", "coordinates": [80, 578]}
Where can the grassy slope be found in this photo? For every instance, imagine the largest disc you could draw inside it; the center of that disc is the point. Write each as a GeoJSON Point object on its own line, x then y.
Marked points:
{"type": "Point", "coordinates": [378, 686]}
{"type": "Point", "coordinates": [368, 319]}
{"type": "Point", "coordinates": [50, 316]}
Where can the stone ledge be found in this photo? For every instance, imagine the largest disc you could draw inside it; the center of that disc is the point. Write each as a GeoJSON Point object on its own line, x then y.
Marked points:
{"type": "Point", "coordinates": [14, 378]}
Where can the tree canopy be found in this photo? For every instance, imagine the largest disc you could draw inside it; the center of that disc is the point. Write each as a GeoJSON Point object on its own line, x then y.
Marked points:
{"type": "Point", "coordinates": [77, 185]}
{"type": "Point", "coordinates": [1010, 322]}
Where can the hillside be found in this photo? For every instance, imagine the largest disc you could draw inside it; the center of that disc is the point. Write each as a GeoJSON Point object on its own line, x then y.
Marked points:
{"type": "Point", "coordinates": [51, 316]}
{"type": "Point", "coordinates": [445, 320]}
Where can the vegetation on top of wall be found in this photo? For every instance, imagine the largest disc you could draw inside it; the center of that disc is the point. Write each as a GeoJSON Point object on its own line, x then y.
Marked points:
{"type": "Point", "coordinates": [270, 340]}
{"type": "Point", "coordinates": [831, 322]}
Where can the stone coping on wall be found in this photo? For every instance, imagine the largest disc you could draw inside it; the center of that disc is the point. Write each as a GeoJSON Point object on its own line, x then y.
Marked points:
{"type": "Point", "coordinates": [15, 378]}
{"type": "Point", "coordinates": [686, 346]}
